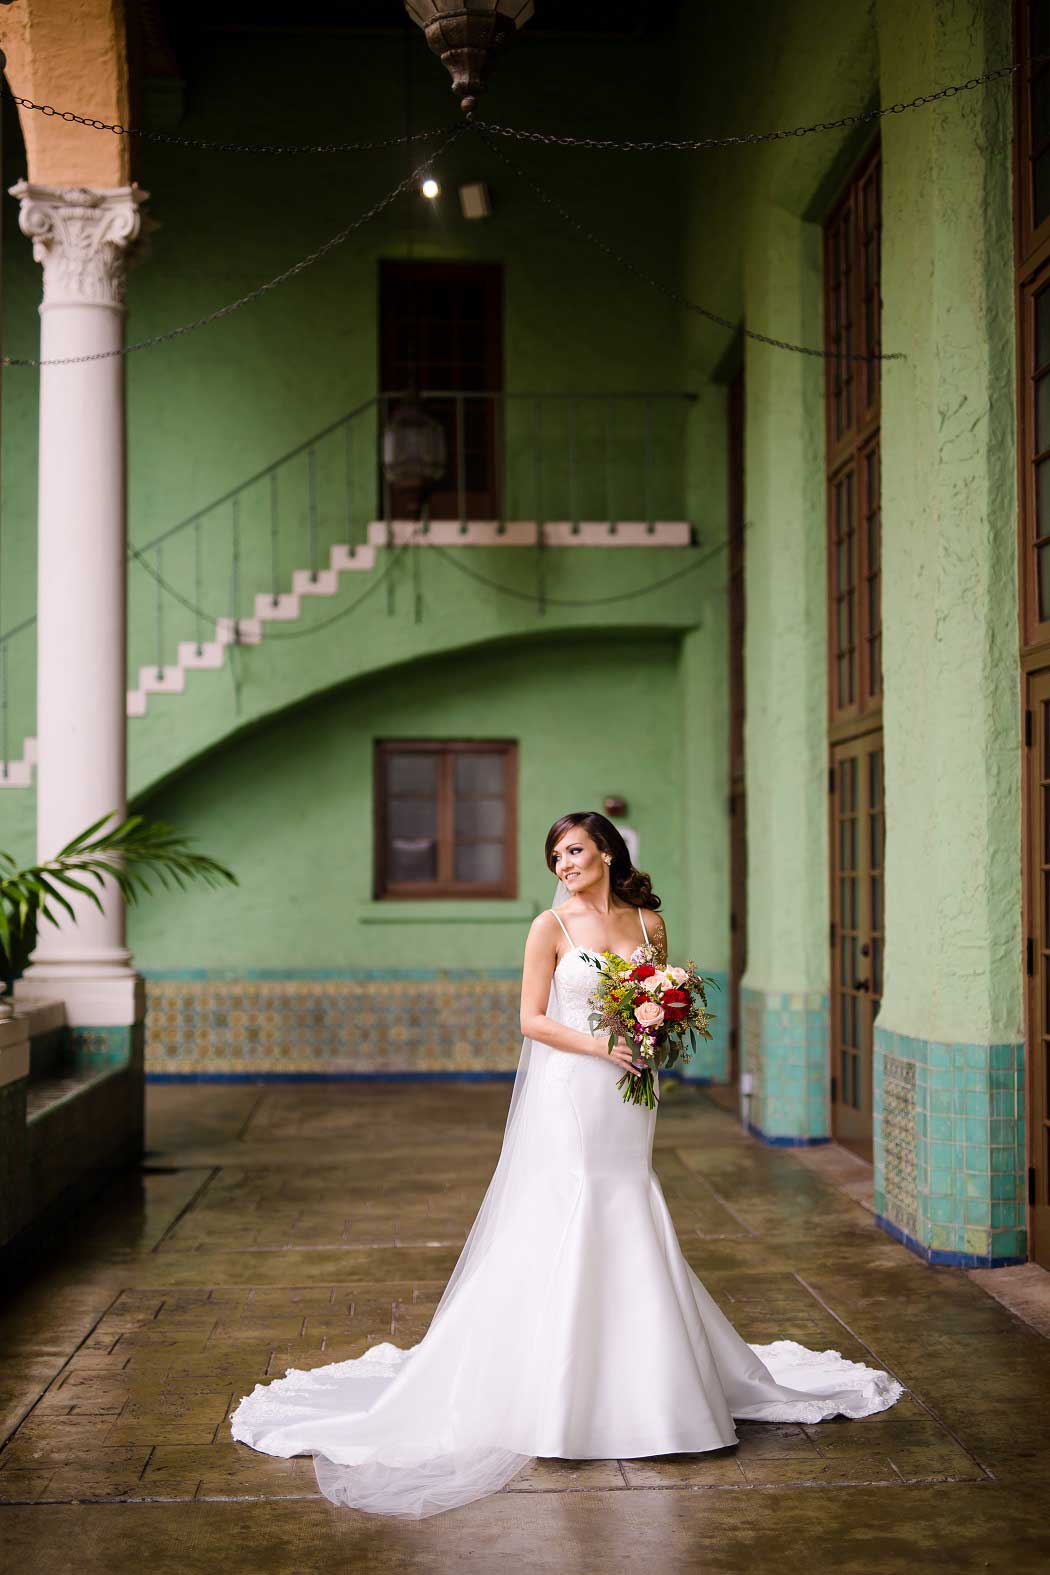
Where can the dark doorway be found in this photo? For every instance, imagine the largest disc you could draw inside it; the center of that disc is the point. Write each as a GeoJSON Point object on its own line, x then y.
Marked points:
{"type": "Point", "coordinates": [441, 334]}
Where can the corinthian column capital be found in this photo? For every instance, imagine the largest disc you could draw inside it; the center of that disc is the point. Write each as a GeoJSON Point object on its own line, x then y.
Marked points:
{"type": "Point", "coordinates": [83, 239]}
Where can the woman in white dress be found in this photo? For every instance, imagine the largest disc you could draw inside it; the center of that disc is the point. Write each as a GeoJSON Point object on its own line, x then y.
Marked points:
{"type": "Point", "coordinates": [572, 1325]}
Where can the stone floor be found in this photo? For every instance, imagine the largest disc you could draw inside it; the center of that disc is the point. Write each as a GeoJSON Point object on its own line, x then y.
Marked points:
{"type": "Point", "coordinates": [290, 1225]}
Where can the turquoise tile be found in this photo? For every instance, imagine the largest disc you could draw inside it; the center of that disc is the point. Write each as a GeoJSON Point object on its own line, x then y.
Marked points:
{"type": "Point", "coordinates": [975, 1185]}
{"type": "Point", "coordinates": [977, 1101]}
{"type": "Point", "coordinates": [1009, 1244]}
{"type": "Point", "coordinates": [1004, 1132]}
{"type": "Point", "coordinates": [979, 1211]}
{"type": "Point", "coordinates": [942, 1100]}
{"type": "Point", "coordinates": [1006, 1185]}
{"type": "Point", "coordinates": [1008, 1214]}
{"type": "Point", "coordinates": [941, 1127]}
{"type": "Point", "coordinates": [1003, 1159]}
{"type": "Point", "coordinates": [940, 1055]}
{"type": "Point", "coordinates": [976, 1055]}
{"type": "Point", "coordinates": [975, 1130]}
{"type": "Point", "coordinates": [1002, 1103]}
{"type": "Point", "coordinates": [941, 1181]}
{"type": "Point", "coordinates": [976, 1157]}
{"type": "Point", "coordinates": [942, 1156]}
{"type": "Point", "coordinates": [1001, 1056]}
{"type": "Point", "coordinates": [943, 1209]}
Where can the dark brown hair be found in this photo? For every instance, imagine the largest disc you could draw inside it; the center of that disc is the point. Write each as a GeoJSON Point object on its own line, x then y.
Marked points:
{"type": "Point", "coordinates": [630, 885]}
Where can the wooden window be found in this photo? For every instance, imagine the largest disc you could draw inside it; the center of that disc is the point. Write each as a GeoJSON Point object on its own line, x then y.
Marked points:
{"type": "Point", "coordinates": [446, 818]}
{"type": "Point", "coordinates": [852, 319]}
{"type": "Point", "coordinates": [853, 327]}
{"type": "Point", "coordinates": [442, 330]}
{"type": "Point", "coordinates": [1034, 313]}
{"type": "Point", "coordinates": [1032, 128]}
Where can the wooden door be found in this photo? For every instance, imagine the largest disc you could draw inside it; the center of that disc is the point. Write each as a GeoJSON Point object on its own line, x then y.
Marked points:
{"type": "Point", "coordinates": [737, 795]}
{"type": "Point", "coordinates": [857, 840]}
{"type": "Point", "coordinates": [442, 330]}
{"type": "Point", "coordinates": [1037, 897]}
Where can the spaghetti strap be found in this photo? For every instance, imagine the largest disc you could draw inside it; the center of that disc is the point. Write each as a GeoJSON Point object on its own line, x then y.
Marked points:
{"type": "Point", "coordinates": [645, 932]}
{"type": "Point", "coordinates": [564, 931]}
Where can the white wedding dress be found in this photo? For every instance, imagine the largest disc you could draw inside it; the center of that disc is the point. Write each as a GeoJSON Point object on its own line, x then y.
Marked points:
{"type": "Point", "coordinates": [572, 1325]}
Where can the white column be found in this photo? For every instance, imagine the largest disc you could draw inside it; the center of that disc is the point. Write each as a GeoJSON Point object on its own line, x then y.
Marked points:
{"type": "Point", "coordinates": [82, 239]}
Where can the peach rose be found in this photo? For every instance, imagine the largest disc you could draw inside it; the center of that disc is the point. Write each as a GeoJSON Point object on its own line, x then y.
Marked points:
{"type": "Point", "coordinates": [649, 1015]}
{"type": "Point", "coordinates": [679, 975]}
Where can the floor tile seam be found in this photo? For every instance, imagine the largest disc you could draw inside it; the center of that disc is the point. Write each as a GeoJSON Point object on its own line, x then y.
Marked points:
{"type": "Point", "coordinates": [64, 1365]}
{"type": "Point", "coordinates": [190, 1203]}
{"type": "Point", "coordinates": [931, 1413]}
{"type": "Point", "coordinates": [521, 1492]}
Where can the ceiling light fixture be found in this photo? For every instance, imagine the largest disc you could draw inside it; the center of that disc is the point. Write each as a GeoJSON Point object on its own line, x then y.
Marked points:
{"type": "Point", "coordinates": [466, 35]}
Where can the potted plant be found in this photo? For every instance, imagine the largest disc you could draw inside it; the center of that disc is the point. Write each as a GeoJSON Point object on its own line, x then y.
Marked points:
{"type": "Point", "coordinates": [129, 852]}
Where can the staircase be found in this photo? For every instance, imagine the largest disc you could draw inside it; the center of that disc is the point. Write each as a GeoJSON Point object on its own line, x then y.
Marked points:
{"type": "Point", "coordinates": [303, 470]}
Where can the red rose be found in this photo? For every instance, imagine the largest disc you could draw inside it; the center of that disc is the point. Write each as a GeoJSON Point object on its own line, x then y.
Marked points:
{"type": "Point", "coordinates": [675, 1004]}
{"type": "Point", "coordinates": [644, 971]}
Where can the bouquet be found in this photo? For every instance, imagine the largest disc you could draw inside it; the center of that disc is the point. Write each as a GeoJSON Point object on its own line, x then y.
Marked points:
{"type": "Point", "coordinates": [656, 1008]}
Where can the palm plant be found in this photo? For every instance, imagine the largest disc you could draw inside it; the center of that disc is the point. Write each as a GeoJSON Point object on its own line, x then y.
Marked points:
{"type": "Point", "coordinates": [130, 852]}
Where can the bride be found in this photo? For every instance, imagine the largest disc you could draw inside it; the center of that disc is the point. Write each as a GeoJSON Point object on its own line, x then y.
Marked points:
{"type": "Point", "coordinates": [572, 1325]}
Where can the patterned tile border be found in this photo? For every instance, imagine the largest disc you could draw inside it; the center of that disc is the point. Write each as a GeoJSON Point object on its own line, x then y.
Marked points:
{"type": "Point", "coordinates": [784, 1042]}
{"type": "Point", "coordinates": [950, 1148]}
{"type": "Point", "coordinates": [345, 1024]}
{"type": "Point", "coordinates": [452, 1022]}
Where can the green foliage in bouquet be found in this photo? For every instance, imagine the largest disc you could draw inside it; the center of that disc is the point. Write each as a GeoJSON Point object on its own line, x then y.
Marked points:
{"type": "Point", "coordinates": [130, 852]}
{"type": "Point", "coordinates": [678, 1013]}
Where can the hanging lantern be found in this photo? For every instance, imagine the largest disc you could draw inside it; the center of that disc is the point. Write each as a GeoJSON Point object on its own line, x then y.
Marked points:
{"type": "Point", "coordinates": [414, 450]}
{"type": "Point", "coordinates": [466, 35]}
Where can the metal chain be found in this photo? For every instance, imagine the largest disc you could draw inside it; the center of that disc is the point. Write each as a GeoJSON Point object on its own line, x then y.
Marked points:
{"type": "Point", "coordinates": [753, 138]}
{"type": "Point", "coordinates": [515, 133]}
{"type": "Point", "coordinates": [258, 148]}
{"type": "Point", "coordinates": [667, 290]}
{"type": "Point", "coordinates": [262, 289]}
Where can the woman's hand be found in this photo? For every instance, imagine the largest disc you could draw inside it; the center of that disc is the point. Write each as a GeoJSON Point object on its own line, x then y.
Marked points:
{"type": "Point", "coordinates": [622, 1053]}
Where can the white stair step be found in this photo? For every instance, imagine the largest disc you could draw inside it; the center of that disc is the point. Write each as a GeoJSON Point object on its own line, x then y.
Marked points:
{"type": "Point", "coordinates": [449, 533]}
{"type": "Point", "coordinates": [136, 703]}
{"type": "Point", "coordinates": [162, 680]}
{"type": "Point", "coordinates": [627, 533]}
{"type": "Point", "coordinates": [279, 609]}
{"type": "Point", "coordinates": [363, 557]}
{"type": "Point", "coordinates": [18, 773]}
{"type": "Point", "coordinates": [239, 631]}
{"type": "Point", "coordinates": [209, 654]}
{"type": "Point", "coordinates": [324, 583]}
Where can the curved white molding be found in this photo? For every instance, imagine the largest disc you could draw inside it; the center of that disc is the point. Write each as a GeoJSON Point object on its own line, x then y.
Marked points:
{"type": "Point", "coordinates": [83, 239]}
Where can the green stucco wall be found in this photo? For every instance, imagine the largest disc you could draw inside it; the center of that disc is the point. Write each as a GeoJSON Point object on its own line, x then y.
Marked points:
{"type": "Point", "coordinates": [290, 808]}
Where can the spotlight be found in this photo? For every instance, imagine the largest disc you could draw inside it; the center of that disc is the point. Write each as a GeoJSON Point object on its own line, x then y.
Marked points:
{"type": "Point", "coordinates": [430, 188]}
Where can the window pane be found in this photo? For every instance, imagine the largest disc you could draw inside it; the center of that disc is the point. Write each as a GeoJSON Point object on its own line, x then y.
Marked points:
{"type": "Point", "coordinates": [1041, 187]}
{"type": "Point", "coordinates": [1042, 328]}
{"type": "Point", "coordinates": [1042, 414]}
{"type": "Point", "coordinates": [1043, 572]}
{"type": "Point", "coordinates": [412, 817]}
{"type": "Point", "coordinates": [1038, 27]}
{"type": "Point", "coordinates": [412, 773]}
{"type": "Point", "coordinates": [412, 859]}
{"type": "Point", "coordinates": [479, 775]}
{"type": "Point", "coordinates": [1040, 108]}
{"type": "Point", "coordinates": [480, 817]}
{"type": "Point", "coordinates": [479, 861]}
{"type": "Point", "coordinates": [1042, 498]}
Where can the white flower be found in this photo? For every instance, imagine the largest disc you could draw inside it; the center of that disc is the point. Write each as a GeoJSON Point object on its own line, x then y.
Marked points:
{"type": "Point", "coordinates": [678, 975]}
